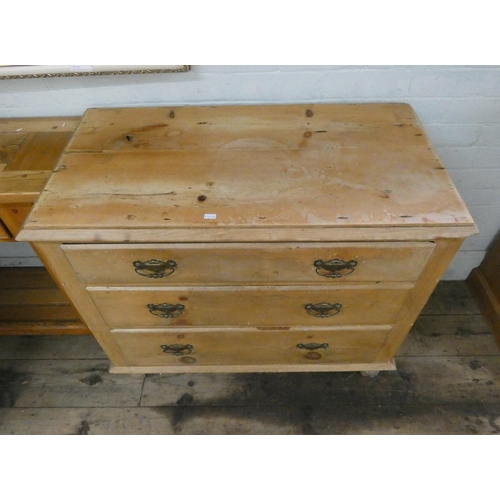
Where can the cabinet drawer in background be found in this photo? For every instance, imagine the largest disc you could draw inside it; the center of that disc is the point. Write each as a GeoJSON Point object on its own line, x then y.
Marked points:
{"type": "Point", "coordinates": [183, 348]}
{"type": "Point", "coordinates": [227, 263]}
{"type": "Point", "coordinates": [4, 233]}
{"type": "Point", "coordinates": [245, 306]}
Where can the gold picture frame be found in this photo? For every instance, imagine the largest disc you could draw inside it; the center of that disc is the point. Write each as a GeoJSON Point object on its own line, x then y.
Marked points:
{"type": "Point", "coordinates": [25, 72]}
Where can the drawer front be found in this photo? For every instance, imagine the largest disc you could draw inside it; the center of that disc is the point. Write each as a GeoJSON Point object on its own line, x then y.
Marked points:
{"type": "Point", "coordinates": [245, 306]}
{"type": "Point", "coordinates": [203, 264]}
{"type": "Point", "coordinates": [182, 348]}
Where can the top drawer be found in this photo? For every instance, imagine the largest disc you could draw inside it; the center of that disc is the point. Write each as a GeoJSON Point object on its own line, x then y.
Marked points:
{"type": "Point", "coordinates": [251, 263]}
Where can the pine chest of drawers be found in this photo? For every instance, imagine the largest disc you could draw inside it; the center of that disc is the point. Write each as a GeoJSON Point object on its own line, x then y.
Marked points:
{"type": "Point", "coordinates": [249, 238]}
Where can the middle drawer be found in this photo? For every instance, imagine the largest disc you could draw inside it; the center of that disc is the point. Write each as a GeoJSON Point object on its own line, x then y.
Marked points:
{"type": "Point", "coordinates": [253, 305]}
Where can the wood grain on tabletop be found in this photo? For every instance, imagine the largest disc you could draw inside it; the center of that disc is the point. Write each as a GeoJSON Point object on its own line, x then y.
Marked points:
{"type": "Point", "coordinates": [314, 181]}
{"type": "Point", "coordinates": [210, 127]}
{"type": "Point", "coordinates": [29, 150]}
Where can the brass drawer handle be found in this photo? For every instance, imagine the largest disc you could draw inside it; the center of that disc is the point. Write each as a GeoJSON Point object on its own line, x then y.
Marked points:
{"type": "Point", "coordinates": [177, 349]}
{"type": "Point", "coordinates": [155, 268]}
{"type": "Point", "coordinates": [335, 268]}
{"type": "Point", "coordinates": [312, 346]}
{"type": "Point", "coordinates": [166, 310]}
{"type": "Point", "coordinates": [323, 309]}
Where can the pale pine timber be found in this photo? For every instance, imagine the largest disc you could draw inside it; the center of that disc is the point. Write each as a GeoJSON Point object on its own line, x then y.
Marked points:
{"type": "Point", "coordinates": [29, 150]}
{"type": "Point", "coordinates": [484, 281]}
{"type": "Point", "coordinates": [356, 175]}
{"type": "Point", "coordinates": [4, 232]}
{"type": "Point", "coordinates": [439, 261]}
{"type": "Point", "coordinates": [447, 384]}
{"type": "Point", "coordinates": [32, 304]}
{"type": "Point", "coordinates": [22, 186]}
{"type": "Point", "coordinates": [255, 263]}
{"type": "Point", "coordinates": [13, 216]}
{"type": "Point", "coordinates": [60, 269]}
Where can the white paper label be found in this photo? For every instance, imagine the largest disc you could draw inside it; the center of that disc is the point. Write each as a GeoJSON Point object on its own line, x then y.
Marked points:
{"type": "Point", "coordinates": [81, 68]}
{"type": "Point", "coordinates": [210, 216]}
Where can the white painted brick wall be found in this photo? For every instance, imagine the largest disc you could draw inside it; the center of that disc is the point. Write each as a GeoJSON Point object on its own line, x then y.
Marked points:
{"type": "Point", "coordinates": [459, 107]}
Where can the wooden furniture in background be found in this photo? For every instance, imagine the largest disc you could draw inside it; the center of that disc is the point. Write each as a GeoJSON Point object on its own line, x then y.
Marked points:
{"type": "Point", "coordinates": [249, 238]}
{"type": "Point", "coordinates": [32, 304]}
{"type": "Point", "coordinates": [484, 282]}
{"type": "Point", "coordinates": [30, 301]}
{"type": "Point", "coordinates": [29, 150]}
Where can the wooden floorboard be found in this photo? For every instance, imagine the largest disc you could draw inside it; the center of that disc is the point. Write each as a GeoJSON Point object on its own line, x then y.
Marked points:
{"type": "Point", "coordinates": [481, 419]}
{"type": "Point", "coordinates": [449, 335]}
{"type": "Point", "coordinates": [48, 347]}
{"type": "Point", "coordinates": [447, 382]}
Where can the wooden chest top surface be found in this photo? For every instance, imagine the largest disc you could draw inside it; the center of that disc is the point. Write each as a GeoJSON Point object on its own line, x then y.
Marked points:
{"type": "Point", "coordinates": [281, 166]}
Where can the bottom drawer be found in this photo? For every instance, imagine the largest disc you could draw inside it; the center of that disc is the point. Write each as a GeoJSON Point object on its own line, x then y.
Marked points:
{"type": "Point", "coordinates": [232, 347]}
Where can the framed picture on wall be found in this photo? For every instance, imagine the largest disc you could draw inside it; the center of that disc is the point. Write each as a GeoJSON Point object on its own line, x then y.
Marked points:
{"type": "Point", "coordinates": [21, 72]}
